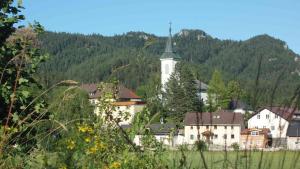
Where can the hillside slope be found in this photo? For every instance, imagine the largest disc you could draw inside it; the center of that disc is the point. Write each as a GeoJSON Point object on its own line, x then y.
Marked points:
{"type": "Point", "coordinates": [93, 58]}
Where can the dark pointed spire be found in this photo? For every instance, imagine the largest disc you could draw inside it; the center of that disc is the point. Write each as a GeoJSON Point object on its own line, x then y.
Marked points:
{"type": "Point", "coordinates": [169, 41]}
{"type": "Point", "coordinates": [169, 51]}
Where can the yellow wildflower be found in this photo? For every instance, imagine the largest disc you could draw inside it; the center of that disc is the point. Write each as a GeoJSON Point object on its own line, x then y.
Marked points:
{"type": "Point", "coordinates": [63, 167]}
{"type": "Point", "coordinates": [92, 150]}
{"type": "Point", "coordinates": [71, 144]}
{"type": "Point", "coordinates": [87, 140]}
{"type": "Point", "coordinates": [115, 165]}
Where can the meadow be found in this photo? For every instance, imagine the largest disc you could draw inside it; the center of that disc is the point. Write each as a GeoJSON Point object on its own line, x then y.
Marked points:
{"type": "Point", "coordinates": [234, 160]}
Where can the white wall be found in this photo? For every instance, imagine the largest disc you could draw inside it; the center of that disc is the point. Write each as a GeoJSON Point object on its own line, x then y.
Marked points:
{"type": "Point", "coordinates": [131, 110]}
{"type": "Point", "coordinates": [293, 143]}
{"type": "Point", "coordinates": [167, 68]}
{"type": "Point", "coordinates": [272, 123]}
{"type": "Point", "coordinates": [164, 139]}
{"type": "Point", "coordinates": [220, 132]}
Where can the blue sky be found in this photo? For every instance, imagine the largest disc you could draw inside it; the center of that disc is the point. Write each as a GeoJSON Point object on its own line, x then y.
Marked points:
{"type": "Point", "coordinates": [224, 19]}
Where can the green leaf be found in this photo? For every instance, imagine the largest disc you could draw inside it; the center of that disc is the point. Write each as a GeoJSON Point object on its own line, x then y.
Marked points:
{"type": "Point", "coordinates": [23, 80]}
{"type": "Point", "coordinates": [15, 117]}
{"type": "Point", "coordinates": [25, 93]}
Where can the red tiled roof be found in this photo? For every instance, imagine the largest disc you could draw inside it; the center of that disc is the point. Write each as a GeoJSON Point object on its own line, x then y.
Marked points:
{"type": "Point", "coordinates": [123, 92]}
{"type": "Point", "coordinates": [219, 117]}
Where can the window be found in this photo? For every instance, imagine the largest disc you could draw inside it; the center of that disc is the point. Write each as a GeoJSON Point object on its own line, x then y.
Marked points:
{"type": "Point", "coordinates": [232, 136]}
{"type": "Point", "coordinates": [264, 127]}
{"type": "Point", "coordinates": [231, 127]}
{"type": "Point", "coordinates": [215, 136]}
{"type": "Point", "coordinates": [215, 127]}
{"type": "Point", "coordinates": [267, 116]}
{"type": "Point", "coordinates": [256, 127]}
{"type": "Point", "coordinates": [225, 136]}
{"type": "Point", "coordinates": [272, 127]}
{"type": "Point", "coordinates": [192, 137]}
{"type": "Point", "coordinates": [166, 69]}
{"type": "Point", "coordinates": [225, 127]}
{"type": "Point", "coordinates": [258, 116]}
{"type": "Point", "coordinates": [276, 116]}
{"type": "Point", "coordinates": [191, 127]}
{"type": "Point", "coordinates": [207, 127]}
{"type": "Point", "coordinates": [198, 127]}
{"type": "Point", "coordinates": [254, 133]}
{"type": "Point", "coordinates": [198, 136]}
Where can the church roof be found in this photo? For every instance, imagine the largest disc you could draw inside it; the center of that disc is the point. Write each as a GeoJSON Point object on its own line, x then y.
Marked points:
{"type": "Point", "coordinates": [169, 49]}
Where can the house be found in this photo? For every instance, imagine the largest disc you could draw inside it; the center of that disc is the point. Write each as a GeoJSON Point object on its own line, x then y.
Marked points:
{"type": "Point", "coordinates": [167, 134]}
{"type": "Point", "coordinates": [293, 135]}
{"type": "Point", "coordinates": [239, 107]}
{"type": "Point", "coordinates": [217, 128]}
{"type": "Point", "coordinates": [254, 138]}
{"type": "Point", "coordinates": [202, 91]}
{"type": "Point", "coordinates": [274, 118]}
{"type": "Point", "coordinates": [126, 101]}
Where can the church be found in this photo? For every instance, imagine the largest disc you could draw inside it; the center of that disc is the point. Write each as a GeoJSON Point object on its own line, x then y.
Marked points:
{"type": "Point", "coordinates": [168, 61]}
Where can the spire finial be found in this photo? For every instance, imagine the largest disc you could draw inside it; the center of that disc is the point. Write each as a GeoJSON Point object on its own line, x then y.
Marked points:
{"type": "Point", "coordinates": [170, 29]}
{"type": "Point", "coordinates": [169, 41]}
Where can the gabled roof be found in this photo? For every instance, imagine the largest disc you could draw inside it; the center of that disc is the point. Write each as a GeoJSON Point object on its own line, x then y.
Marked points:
{"type": "Point", "coordinates": [284, 112]}
{"type": "Point", "coordinates": [221, 117]}
{"type": "Point", "coordinates": [293, 129]}
{"type": "Point", "coordinates": [200, 85]}
{"type": "Point", "coordinates": [123, 92]}
{"type": "Point", "coordinates": [163, 129]}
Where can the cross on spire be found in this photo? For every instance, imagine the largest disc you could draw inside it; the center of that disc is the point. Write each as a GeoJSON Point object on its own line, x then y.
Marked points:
{"type": "Point", "coordinates": [170, 29]}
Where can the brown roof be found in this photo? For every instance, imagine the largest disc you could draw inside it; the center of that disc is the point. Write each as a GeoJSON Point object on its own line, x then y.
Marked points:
{"type": "Point", "coordinates": [264, 131]}
{"type": "Point", "coordinates": [123, 92]}
{"type": "Point", "coordinates": [128, 103]}
{"type": "Point", "coordinates": [284, 112]}
{"type": "Point", "coordinates": [214, 118]}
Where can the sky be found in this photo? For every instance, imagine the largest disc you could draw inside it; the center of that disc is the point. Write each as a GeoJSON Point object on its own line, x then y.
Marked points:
{"type": "Point", "coordinates": [223, 19]}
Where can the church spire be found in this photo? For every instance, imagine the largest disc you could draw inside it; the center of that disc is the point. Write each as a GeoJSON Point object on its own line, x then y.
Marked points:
{"type": "Point", "coordinates": [169, 49]}
{"type": "Point", "coordinates": [169, 42]}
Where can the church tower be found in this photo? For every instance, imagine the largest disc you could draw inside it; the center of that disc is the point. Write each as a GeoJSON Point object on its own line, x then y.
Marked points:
{"type": "Point", "coordinates": [168, 61]}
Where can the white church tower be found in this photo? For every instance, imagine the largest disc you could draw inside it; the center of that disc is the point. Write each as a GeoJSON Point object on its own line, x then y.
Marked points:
{"type": "Point", "coordinates": [168, 61]}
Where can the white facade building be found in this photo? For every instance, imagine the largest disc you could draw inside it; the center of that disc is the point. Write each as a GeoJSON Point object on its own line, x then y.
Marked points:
{"type": "Point", "coordinates": [168, 62]}
{"type": "Point", "coordinates": [293, 135]}
{"type": "Point", "coordinates": [126, 105]}
{"type": "Point", "coordinates": [217, 128]}
{"type": "Point", "coordinates": [276, 119]}
{"type": "Point", "coordinates": [167, 134]}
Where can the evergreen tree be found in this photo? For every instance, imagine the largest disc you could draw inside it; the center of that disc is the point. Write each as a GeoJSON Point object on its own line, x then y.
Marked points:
{"type": "Point", "coordinates": [216, 92]}
{"type": "Point", "coordinates": [181, 93]}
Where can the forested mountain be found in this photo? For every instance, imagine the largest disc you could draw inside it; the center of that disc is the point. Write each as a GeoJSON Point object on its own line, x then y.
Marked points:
{"type": "Point", "coordinates": [262, 63]}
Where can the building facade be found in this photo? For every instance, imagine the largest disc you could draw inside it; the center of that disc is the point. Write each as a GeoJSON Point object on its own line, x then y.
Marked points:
{"type": "Point", "coordinates": [221, 128]}
{"type": "Point", "coordinates": [293, 135]}
{"type": "Point", "coordinates": [168, 61]}
{"type": "Point", "coordinates": [276, 119]}
{"type": "Point", "coordinates": [125, 105]}
{"type": "Point", "coordinates": [254, 138]}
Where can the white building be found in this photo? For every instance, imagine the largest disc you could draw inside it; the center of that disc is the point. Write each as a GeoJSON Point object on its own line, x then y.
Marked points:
{"type": "Point", "coordinates": [167, 134]}
{"type": "Point", "coordinates": [168, 62]}
{"type": "Point", "coordinates": [293, 135]}
{"type": "Point", "coordinates": [276, 119]}
{"type": "Point", "coordinates": [217, 128]}
{"type": "Point", "coordinates": [126, 104]}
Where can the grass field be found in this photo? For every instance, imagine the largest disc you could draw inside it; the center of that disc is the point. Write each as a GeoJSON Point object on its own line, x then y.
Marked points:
{"type": "Point", "coordinates": [235, 160]}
